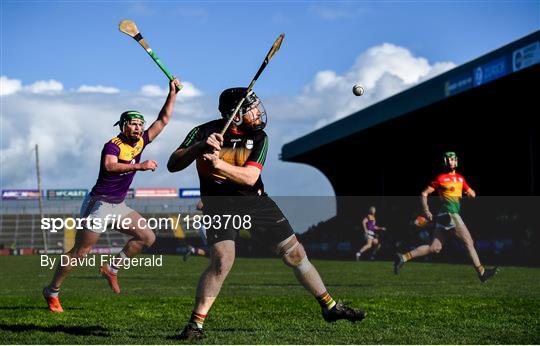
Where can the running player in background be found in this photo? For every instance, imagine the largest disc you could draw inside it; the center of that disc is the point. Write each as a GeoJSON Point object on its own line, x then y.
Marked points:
{"type": "Point", "coordinates": [120, 159]}
{"type": "Point", "coordinates": [371, 234]}
{"type": "Point", "coordinates": [450, 186]}
{"type": "Point", "coordinates": [198, 251]}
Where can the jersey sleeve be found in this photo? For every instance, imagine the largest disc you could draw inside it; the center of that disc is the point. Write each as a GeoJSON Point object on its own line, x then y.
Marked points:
{"type": "Point", "coordinates": [146, 138]}
{"type": "Point", "coordinates": [257, 157]}
{"type": "Point", "coordinates": [111, 149]}
{"type": "Point", "coordinates": [193, 136]}
{"type": "Point", "coordinates": [435, 183]}
{"type": "Point", "coordinates": [466, 186]}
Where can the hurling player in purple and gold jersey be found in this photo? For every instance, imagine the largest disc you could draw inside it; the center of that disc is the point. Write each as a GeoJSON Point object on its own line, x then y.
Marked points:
{"type": "Point", "coordinates": [450, 186]}
{"type": "Point", "coordinates": [371, 234]}
{"type": "Point", "coordinates": [120, 160]}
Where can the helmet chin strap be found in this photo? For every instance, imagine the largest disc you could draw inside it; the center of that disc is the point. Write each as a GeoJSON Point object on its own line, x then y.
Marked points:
{"type": "Point", "coordinates": [239, 121]}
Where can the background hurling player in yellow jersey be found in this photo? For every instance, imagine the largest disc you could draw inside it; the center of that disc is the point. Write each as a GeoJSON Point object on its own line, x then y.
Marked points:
{"type": "Point", "coordinates": [450, 187]}
{"type": "Point", "coordinates": [120, 160]}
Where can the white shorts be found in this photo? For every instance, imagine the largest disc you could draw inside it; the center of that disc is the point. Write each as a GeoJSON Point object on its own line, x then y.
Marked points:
{"type": "Point", "coordinates": [202, 234]}
{"type": "Point", "coordinates": [447, 221]}
{"type": "Point", "coordinates": [103, 213]}
{"type": "Point", "coordinates": [370, 235]}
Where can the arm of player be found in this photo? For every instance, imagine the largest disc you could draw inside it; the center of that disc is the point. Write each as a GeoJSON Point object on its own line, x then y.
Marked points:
{"type": "Point", "coordinates": [470, 193]}
{"type": "Point", "coordinates": [246, 175]}
{"type": "Point", "coordinates": [364, 224]}
{"type": "Point", "coordinates": [113, 166]}
{"type": "Point", "coordinates": [166, 111]}
{"type": "Point", "coordinates": [424, 198]}
{"type": "Point", "coordinates": [183, 157]}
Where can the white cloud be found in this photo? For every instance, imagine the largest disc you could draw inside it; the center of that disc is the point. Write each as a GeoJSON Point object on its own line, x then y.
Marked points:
{"type": "Point", "coordinates": [383, 71]}
{"type": "Point", "coordinates": [392, 59]}
{"type": "Point", "coordinates": [71, 127]}
{"type": "Point", "coordinates": [325, 80]}
{"type": "Point", "coordinates": [152, 90]}
{"type": "Point", "coordinates": [45, 87]}
{"type": "Point", "coordinates": [13, 86]}
{"type": "Point", "coordinates": [9, 86]}
{"type": "Point", "coordinates": [99, 89]}
{"type": "Point", "coordinates": [188, 91]}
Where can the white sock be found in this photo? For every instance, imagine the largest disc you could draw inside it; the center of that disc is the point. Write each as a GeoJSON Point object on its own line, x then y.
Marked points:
{"type": "Point", "coordinates": [49, 292]}
{"type": "Point", "coordinates": [113, 268]}
{"type": "Point", "coordinates": [308, 276]}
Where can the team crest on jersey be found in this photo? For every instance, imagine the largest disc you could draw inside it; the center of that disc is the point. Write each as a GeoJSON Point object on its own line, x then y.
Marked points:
{"type": "Point", "coordinates": [249, 144]}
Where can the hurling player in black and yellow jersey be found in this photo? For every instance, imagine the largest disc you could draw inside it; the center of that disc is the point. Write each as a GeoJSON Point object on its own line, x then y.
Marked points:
{"type": "Point", "coordinates": [229, 169]}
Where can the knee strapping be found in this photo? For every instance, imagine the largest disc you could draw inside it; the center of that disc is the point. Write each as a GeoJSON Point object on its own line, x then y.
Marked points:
{"type": "Point", "coordinates": [291, 249]}
{"type": "Point", "coordinates": [281, 247]}
{"type": "Point", "coordinates": [294, 256]}
{"type": "Point", "coordinates": [291, 259]}
{"type": "Point", "coordinates": [304, 266]}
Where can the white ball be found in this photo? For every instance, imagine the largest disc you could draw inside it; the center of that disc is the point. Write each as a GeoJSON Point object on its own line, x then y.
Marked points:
{"type": "Point", "coordinates": [358, 90]}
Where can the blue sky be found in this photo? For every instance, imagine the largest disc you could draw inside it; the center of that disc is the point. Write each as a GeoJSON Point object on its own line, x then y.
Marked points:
{"type": "Point", "coordinates": [67, 72]}
{"type": "Point", "coordinates": [77, 42]}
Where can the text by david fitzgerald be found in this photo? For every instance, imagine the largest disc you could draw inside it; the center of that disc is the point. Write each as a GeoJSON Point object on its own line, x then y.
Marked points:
{"type": "Point", "coordinates": [93, 261]}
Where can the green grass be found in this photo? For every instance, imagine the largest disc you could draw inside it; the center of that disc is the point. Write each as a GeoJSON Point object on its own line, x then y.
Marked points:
{"type": "Point", "coordinates": [262, 303]}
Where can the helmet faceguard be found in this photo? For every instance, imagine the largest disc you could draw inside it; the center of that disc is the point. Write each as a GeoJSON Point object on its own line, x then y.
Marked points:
{"type": "Point", "coordinates": [446, 159]}
{"type": "Point", "coordinates": [251, 115]}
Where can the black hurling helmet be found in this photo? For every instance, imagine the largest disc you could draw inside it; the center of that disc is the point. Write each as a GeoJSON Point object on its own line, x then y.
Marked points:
{"type": "Point", "coordinates": [228, 101]}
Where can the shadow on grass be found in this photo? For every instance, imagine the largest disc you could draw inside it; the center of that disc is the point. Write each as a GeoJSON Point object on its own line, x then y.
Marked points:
{"type": "Point", "coordinates": [176, 337]}
{"type": "Point", "coordinates": [297, 285]}
{"type": "Point", "coordinates": [37, 308]}
{"type": "Point", "coordinates": [88, 330]}
{"type": "Point", "coordinates": [233, 329]}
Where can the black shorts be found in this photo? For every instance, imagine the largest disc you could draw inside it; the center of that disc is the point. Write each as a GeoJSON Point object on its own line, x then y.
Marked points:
{"type": "Point", "coordinates": [267, 224]}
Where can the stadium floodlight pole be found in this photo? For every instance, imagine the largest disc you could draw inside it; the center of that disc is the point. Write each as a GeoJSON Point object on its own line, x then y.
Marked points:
{"type": "Point", "coordinates": [129, 28]}
{"type": "Point", "coordinates": [273, 50]}
{"type": "Point", "coordinates": [40, 202]}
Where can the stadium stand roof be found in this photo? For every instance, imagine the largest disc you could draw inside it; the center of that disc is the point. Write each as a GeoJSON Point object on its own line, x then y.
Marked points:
{"type": "Point", "coordinates": [507, 60]}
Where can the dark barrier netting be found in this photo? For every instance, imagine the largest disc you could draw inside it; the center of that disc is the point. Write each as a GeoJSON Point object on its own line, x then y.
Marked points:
{"type": "Point", "coordinates": [505, 229]}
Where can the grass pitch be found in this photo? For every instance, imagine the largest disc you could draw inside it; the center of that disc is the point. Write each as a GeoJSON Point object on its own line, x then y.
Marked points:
{"type": "Point", "coordinates": [262, 303]}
